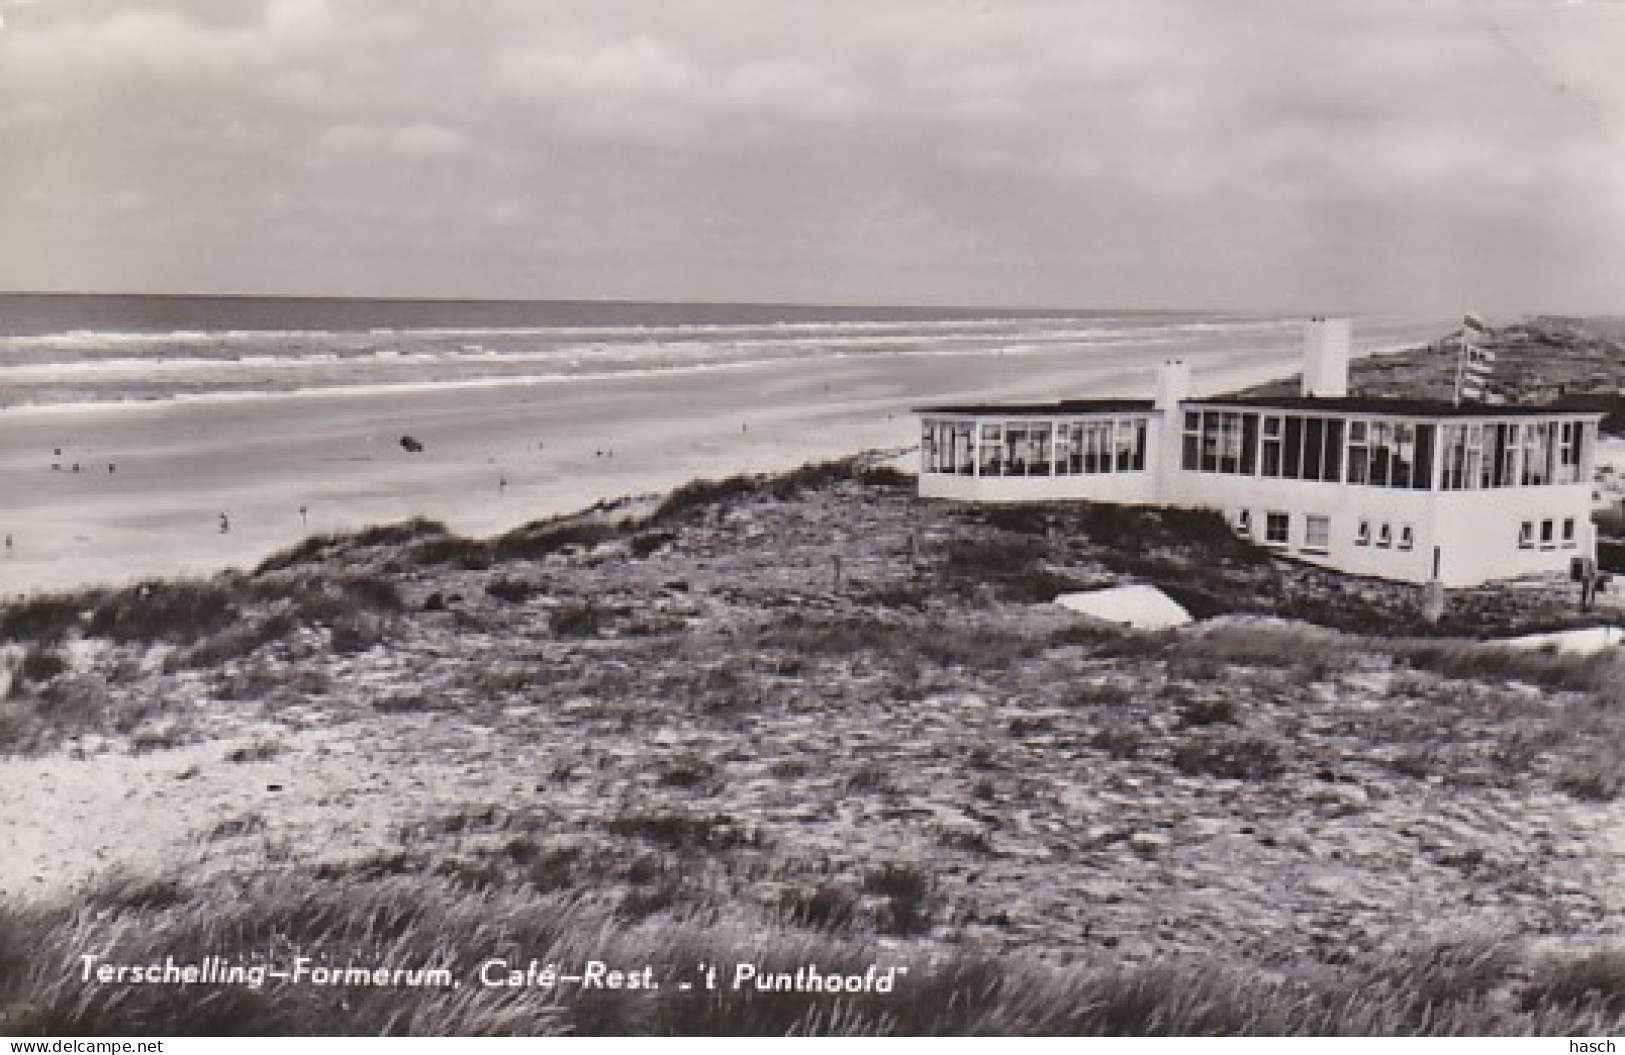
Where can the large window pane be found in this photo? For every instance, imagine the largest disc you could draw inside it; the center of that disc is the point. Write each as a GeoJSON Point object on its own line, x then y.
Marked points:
{"type": "Point", "coordinates": [1403, 460]}
{"type": "Point", "coordinates": [1334, 449]}
{"type": "Point", "coordinates": [1314, 448]}
{"type": "Point", "coordinates": [992, 450]}
{"type": "Point", "coordinates": [1292, 448]}
{"type": "Point", "coordinates": [1381, 451]}
{"type": "Point", "coordinates": [1422, 477]}
{"type": "Point", "coordinates": [1249, 444]}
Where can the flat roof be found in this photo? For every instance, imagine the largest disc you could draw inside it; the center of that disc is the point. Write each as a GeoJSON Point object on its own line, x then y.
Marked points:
{"type": "Point", "coordinates": [1400, 406]}
{"type": "Point", "coordinates": [1064, 406]}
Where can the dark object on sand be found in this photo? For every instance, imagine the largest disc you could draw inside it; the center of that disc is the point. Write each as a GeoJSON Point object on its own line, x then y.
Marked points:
{"type": "Point", "coordinates": [411, 445]}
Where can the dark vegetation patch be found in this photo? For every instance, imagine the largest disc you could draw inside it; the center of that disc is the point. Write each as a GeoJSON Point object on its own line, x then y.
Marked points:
{"type": "Point", "coordinates": [581, 618]}
{"type": "Point", "coordinates": [514, 591]}
{"type": "Point", "coordinates": [1593, 981]}
{"type": "Point", "coordinates": [678, 831]}
{"type": "Point", "coordinates": [906, 889]}
{"type": "Point", "coordinates": [706, 495]}
{"type": "Point", "coordinates": [1229, 756]}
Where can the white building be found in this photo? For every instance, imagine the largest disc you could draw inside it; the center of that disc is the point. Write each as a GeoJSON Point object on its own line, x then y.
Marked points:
{"type": "Point", "coordinates": [1402, 489]}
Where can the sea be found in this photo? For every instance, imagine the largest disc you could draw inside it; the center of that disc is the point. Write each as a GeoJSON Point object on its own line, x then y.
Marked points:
{"type": "Point", "coordinates": [69, 350]}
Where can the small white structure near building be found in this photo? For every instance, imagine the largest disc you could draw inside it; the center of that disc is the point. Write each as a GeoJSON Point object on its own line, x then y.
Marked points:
{"type": "Point", "coordinates": [1140, 606]}
{"type": "Point", "coordinates": [1404, 489]}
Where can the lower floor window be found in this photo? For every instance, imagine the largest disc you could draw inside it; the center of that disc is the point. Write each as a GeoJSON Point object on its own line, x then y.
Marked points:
{"type": "Point", "coordinates": [1277, 528]}
{"type": "Point", "coordinates": [1362, 534]}
{"type": "Point", "coordinates": [1317, 533]}
{"type": "Point", "coordinates": [1526, 535]}
{"type": "Point", "coordinates": [1568, 533]}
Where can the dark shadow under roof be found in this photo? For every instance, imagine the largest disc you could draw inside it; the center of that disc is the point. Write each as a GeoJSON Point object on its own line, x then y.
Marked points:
{"type": "Point", "coordinates": [1064, 406]}
{"type": "Point", "coordinates": [1402, 407]}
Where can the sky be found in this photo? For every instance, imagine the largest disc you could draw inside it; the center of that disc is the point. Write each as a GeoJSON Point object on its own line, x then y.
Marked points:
{"type": "Point", "coordinates": [1319, 155]}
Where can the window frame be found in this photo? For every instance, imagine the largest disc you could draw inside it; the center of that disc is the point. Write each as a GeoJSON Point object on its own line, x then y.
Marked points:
{"type": "Point", "coordinates": [1310, 543]}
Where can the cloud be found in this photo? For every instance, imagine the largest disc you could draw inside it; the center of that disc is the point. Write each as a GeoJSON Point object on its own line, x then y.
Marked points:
{"type": "Point", "coordinates": [763, 136]}
{"type": "Point", "coordinates": [429, 141]}
{"type": "Point", "coordinates": [418, 141]}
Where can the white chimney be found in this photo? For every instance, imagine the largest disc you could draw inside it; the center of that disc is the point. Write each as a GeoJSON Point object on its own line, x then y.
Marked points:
{"type": "Point", "coordinates": [1326, 358]}
{"type": "Point", "coordinates": [1173, 384]}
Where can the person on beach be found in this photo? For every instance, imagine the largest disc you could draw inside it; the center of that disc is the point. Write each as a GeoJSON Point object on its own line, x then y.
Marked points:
{"type": "Point", "coordinates": [502, 485]}
{"type": "Point", "coordinates": [225, 524]}
{"type": "Point", "coordinates": [304, 514]}
{"type": "Point", "coordinates": [8, 544]}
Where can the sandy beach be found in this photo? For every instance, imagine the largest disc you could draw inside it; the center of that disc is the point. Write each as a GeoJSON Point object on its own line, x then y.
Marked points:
{"type": "Point", "coordinates": [153, 480]}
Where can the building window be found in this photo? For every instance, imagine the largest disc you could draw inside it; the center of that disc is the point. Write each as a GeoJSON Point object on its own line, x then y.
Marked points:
{"type": "Point", "coordinates": [1510, 454]}
{"type": "Point", "coordinates": [1272, 445]}
{"type": "Point", "coordinates": [1027, 448]}
{"type": "Point", "coordinates": [1359, 455]}
{"type": "Point", "coordinates": [1131, 445]}
{"type": "Point", "coordinates": [1292, 449]}
{"type": "Point", "coordinates": [1385, 453]}
{"type": "Point", "coordinates": [1526, 535]}
{"type": "Point", "coordinates": [1402, 456]}
{"type": "Point", "coordinates": [1548, 534]}
{"type": "Point", "coordinates": [1244, 523]}
{"type": "Point", "coordinates": [945, 447]}
{"type": "Point", "coordinates": [1407, 537]}
{"type": "Point", "coordinates": [1097, 447]}
{"type": "Point", "coordinates": [1385, 536]}
{"type": "Point", "coordinates": [1381, 451]}
{"type": "Point", "coordinates": [1537, 458]}
{"type": "Point", "coordinates": [1317, 533]}
{"type": "Point", "coordinates": [1314, 448]}
{"type": "Point", "coordinates": [1362, 534]}
{"type": "Point", "coordinates": [1568, 533]}
{"type": "Point", "coordinates": [1277, 528]}
{"type": "Point", "coordinates": [1066, 439]}
{"type": "Point", "coordinates": [1569, 437]}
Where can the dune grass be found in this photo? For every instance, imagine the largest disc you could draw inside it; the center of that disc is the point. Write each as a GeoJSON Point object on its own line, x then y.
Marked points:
{"type": "Point", "coordinates": [1470, 986]}
{"type": "Point", "coordinates": [1187, 705]}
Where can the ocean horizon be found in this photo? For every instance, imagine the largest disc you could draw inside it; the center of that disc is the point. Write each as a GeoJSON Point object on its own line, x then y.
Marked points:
{"type": "Point", "coordinates": [67, 350]}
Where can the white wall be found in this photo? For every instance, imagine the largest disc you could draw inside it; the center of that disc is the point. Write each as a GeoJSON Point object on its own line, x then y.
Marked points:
{"type": "Point", "coordinates": [1344, 505]}
{"type": "Point", "coordinates": [1476, 531]}
{"type": "Point", "coordinates": [1129, 488]}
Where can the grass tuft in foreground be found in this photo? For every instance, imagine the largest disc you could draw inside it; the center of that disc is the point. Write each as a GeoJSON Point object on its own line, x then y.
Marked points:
{"type": "Point", "coordinates": [422, 922]}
